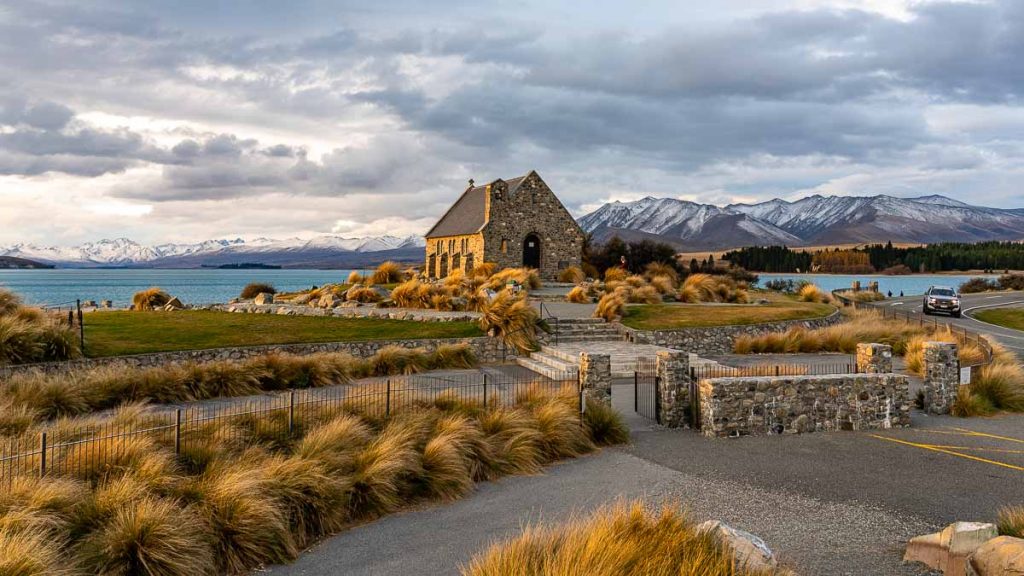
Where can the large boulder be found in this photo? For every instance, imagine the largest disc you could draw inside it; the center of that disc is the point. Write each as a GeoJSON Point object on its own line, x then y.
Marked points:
{"type": "Point", "coordinates": [1002, 556]}
{"type": "Point", "coordinates": [301, 299]}
{"type": "Point", "coordinates": [263, 299]}
{"type": "Point", "coordinates": [948, 550]}
{"type": "Point", "coordinates": [749, 551]}
{"type": "Point", "coordinates": [329, 300]}
{"type": "Point", "coordinates": [174, 304]}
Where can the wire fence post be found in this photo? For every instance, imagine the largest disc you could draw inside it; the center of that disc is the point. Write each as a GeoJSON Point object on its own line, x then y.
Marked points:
{"type": "Point", "coordinates": [291, 413]}
{"type": "Point", "coordinates": [485, 390]}
{"type": "Point", "coordinates": [387, 401]}
{"type": "Point", "coordinates": [42, 454]}
{"type": "Point", "coordinates": [81, 327]}
{"type": "Point", "coordinates": [177, 431]}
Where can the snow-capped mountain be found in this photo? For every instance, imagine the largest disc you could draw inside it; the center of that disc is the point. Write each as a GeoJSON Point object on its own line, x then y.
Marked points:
{"type": "Point", "coordinates": [325, 250]}
{"type": "Point", "coordinates": [808, 221]}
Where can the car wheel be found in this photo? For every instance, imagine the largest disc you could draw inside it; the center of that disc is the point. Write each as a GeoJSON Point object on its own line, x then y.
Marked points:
{"type": "Point", "coordinates": [925, 311]}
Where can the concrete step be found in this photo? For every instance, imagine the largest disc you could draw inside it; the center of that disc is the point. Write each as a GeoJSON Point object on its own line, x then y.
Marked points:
{"type": "Point", "coordinates": [555, 373]}
{"type": "Point", "coordinates": [589, 337]}
{"type": "Point", "coordinates": [579, 321]}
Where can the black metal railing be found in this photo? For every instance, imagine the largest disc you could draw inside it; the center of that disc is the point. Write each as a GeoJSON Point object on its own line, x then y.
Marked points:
{"type": "Point", "coordinates": [80, 451]}
{"type": "Point", "coordinates": [701, 372]}
{"type": "Point", "coordinates": [646, 399]}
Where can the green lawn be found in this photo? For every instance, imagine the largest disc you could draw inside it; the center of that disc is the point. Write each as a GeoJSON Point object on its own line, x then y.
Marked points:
{"type": "Point", "coordinates": [1007, 317]}
{"type": "Point", "coordinates": [118, 333]}
{"type": "Point", "coordinates": [672, 316]}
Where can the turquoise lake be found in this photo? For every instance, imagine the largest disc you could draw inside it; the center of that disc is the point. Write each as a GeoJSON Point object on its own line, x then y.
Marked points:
{"type": "Point", "coordinates": [201, 286]}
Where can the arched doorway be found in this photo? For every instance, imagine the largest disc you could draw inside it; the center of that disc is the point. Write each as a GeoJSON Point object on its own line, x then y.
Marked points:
{"type": "Point", "coordinates": [444, 267]}
{"type": "Point", "coordinates": [531, 251]}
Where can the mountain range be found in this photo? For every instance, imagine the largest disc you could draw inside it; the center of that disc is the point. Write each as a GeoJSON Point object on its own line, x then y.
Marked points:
{"type": "Point", "coordinates": [811, 221]}
{"type": "Point", "coordinates": [319, 252]}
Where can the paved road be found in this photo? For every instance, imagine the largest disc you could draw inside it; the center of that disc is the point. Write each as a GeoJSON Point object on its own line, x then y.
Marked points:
{"type": "Point", "coordinates": [828, 504]}
{"type": "Point", "coordinates": [972, 303]}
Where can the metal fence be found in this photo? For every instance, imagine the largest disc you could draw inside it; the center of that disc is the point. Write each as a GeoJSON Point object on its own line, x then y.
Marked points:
{"type": "Point", "coordinates": [276, 419]}
{"type": "Point", "coordinates": [701, 372]}
{"type": "Point", "coordinates": [646, 400]}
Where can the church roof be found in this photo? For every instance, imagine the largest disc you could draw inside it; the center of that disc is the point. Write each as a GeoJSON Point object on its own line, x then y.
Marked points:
{"type": "Point", "coordinates": [468, 214]}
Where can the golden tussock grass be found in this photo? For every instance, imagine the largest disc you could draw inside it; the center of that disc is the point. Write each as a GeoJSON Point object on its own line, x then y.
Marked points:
{"type": "Point", "coordinates": [811, 293]}
{"type": "Point", "coordinates": [615, 274]}
{"type": "Point", "coordinates": [150, 299]}
{"type": "Point", "coordinates": [254, 289]}
{"type": "Point", "coordinates": [364, 294]}
{"type": "Point", "coordinates": [611, 306]}
{"type": "Point", "coordinates": [578, 295]}
{"type": "Point", "coordinates": [656, 269]}
{"type": "Point", "coordinates": [355, 278]}
{"type": "Point", "coordinates": [511, 318]}
{"type": "Point", "coordinates": [228, 505]}
{"type": "Point", "coordinates": [617, 539]}
{"type": "Point", "coordinates": [1011, 521]}
{"type": "Point", "coordinates": [663, 284]}
{"type": "Point", "coordinates": [387, 273]}
{"type": "Point", "coordinates": [645, 294]}
{"type": "Point", "coordinates": [572, 274]}
{"type": "Point", "coordinates": [528, 278]}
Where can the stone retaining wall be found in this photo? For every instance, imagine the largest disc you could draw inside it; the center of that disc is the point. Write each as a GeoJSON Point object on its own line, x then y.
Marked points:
{"type": "Point", "coordinates": [487, 350]}
{"type": "Point", "coordinates": [347, 310]}
{"type": "Point", "coordinates": [718, 339]}
{"type": "Point", "coordinates": [791, 404]}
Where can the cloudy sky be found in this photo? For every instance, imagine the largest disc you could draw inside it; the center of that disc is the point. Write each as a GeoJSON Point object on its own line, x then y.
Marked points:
{"type": "Point", "coordinates": [176, 121]}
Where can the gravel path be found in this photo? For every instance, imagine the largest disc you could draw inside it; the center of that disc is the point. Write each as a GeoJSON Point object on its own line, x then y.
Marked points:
{"type": "Point", "coordinates": [813, 537]}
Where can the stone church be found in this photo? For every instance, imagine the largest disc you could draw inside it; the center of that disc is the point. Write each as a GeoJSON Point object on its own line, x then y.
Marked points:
{"type": "Point", "coordinates": [512, 223]}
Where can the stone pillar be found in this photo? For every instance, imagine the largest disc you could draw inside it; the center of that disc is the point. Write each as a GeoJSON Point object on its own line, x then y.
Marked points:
{"type": "Point", "coordinates": [673, 370]}
{"type": "Point", "coordinates": [874, 358]}
{"type": "Point", "coordinates": [941, 376]}
{"type": "Point", "coordinates": [596, 376]}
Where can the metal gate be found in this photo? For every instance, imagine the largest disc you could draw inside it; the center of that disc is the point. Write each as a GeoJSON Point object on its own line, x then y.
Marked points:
{"type": "Point", "coordinates": [646, 400]}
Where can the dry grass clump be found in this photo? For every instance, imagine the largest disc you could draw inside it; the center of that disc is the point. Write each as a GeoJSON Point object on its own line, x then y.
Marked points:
{"type": "Point", "coordinates": [510, 317]}
{"type": "Point", "coordinates": [811, 293]}
{"type": "Point", "coordinates": [31, 335]}
{"type": "Point", "coordinates": [663, 284]}
{"type": "Point", "coordinates": [572, 274]}
{"type": "Point", "coordinates": [387, 273]}
{"type": "Point", "coordinates": [615, 274]}
{"type": "Point", "coordinates": [1011, 521]}
{"type": "Point", "coordinates": [604, 425]}
{"type": "Point", "coordinates": [452, 356]}
{"type": "Point", "coordinates": [863, 295]}
{"type": "Point", "coordinates": [354, 277]}
{"type": "Point", "coordinates": [645, 294]}
{"type": "Point", "coordinates": [365, 294]}
{"type": "Point", "coordinates": [578, 295]}
{"type": "Point", "coordinates": [1001, 385]}
{"type": "Point", "coordinates": [702, 287]}
{"type": "Point", "coordinates": [617, 539]}
{"type": "Point", "coordinates": [31, 553]}
{"type": "Point", "coordinates": [656, 269]}
{"type": "Point", "coordinates": [150, 299]}
{"type": "Point", "coordinates": [862, 326]}
{"type": "Point", "coordinates": [612, 305]}
{"type": "Point", "coordinates": [254, 289]}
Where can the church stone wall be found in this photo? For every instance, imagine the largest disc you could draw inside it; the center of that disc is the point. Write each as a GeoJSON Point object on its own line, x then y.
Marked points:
{"type": "Point", "coordinates": [533, 208]}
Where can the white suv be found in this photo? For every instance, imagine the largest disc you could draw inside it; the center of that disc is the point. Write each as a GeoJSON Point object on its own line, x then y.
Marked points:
{"type": "Point", "coordinates": [942, 299]}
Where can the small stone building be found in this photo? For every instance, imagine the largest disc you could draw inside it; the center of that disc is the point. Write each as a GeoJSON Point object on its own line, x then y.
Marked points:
{"type": "Point", "coordinates": [512, 223]}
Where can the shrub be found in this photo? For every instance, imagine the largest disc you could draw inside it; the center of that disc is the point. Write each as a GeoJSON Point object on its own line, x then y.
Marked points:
{"type": "Point", "coordinates": [449, 458]}
{"type": "Point", "coordinates": [150, 299]}
{"type": "Point", "coordinates": [618, 539]}
{"type": "Point", "coordinates": [1011, 521]}
{"type": "Point", "coordinates": [514, 439]}
{"type": "Point", "coordinates": [1012, 281]}
{"type": "Point", "coordinates": [975, 285]}
{"type": "Point", "coordinates": [561, 433]}
{"type": "Point", "coordinates": [1002, 385]}
{"type": "Point", "coordinates": [314, 500]}
{"type": "Point", "coordinates": [645, 295]}
{"type": "Point", "coordinates": [511, 318]}
{"type": "Point", "coordinates": [19, 341]}
{"type": "Point", "coordinates": [149, 536]}
{"type": "Point", "coordinates": [967, 404]}
{"type": "Point", "coordinates": [398, 360]}
{"type": "Point", "coordinates": [381, 469]}
{"type": "Point", "coordinates": [663, 284]}
{"type": "Point", "coordinates": [897, 270]}
{"type": "Point", "coordinates": [336, 443]}
{"type": "Point", "coordinates": [703, 286]}
{"type": "Point", "coordinates": [354, 277]}
{"type": "Point", "coordinates": [578, 295]}
{"type": "Point", "coordinates": [254, 289]}
{"type": "Point", "coordinates": [572, 274]}
{"type": "Point", "coordinates": [387, 273]}
{"type": "Point", "coordinates": [611, 306]}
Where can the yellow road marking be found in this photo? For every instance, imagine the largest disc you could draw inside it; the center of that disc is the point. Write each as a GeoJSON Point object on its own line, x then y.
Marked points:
{"type": "Point", "coordinates": [987, 435]}
{"type": "Point", "coordinates": [978, 449]}
{"type": "Point", "coordinates": [950, 452]}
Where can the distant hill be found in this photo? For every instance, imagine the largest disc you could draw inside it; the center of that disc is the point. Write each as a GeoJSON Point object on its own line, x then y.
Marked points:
{"type": "Point", "coordinates": [21, 263]}
{"type": "Point", "coordinates": [814, 220]}
{"type": "Point", "coordinates": [319, 252]}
